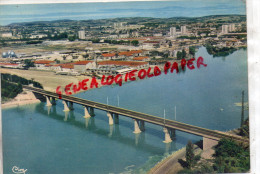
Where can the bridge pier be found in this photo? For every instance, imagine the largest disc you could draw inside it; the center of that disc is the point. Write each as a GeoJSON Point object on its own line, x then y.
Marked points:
{"type": "Point", "coordinates": [87, 115]}
{"type": "Point", "coordinates": [116, 130]}
{"type": "Point", "coordinates": [173, 134]}
{"type": "Point", "coordinates": [49, 109]}
{"type": "Point", "coordinates": [209, 143]}
{"type": "Point", "coordinates": [66, 116]}
{"type": "Point", "coordinates": [91, 110]}
{"type": "Point", "coordinates": [53, 101]}
{"type": "Point", "coordinates": [110, 118]}
{"type": "Point", "coordinates": [54, 111]}
{"type": "Point", "coordinates": [167, 148]}
{"type": "Point", "coordinates": [167, 135]}
{"type": "Point", "coordinates": [48, 102]}
{"type": "Point", "coordinates": [116, 119]}
{"type": "Point", "coordinates": [141, 122]}
{"type": "Point", "coordinates": [71, 106]}
{"type": "Point", "coordinates": [87, 121]}
{"type": "Point", "coordinates": [137, 137]}
{"type": "Point", "coordinates": [66, 107]}
{"type": "Point", "coordinates": [111, 129]}
{"type": "Point", "coordinates": [137, 128]}
{"type": "Point", "coordinates": [72, 116]}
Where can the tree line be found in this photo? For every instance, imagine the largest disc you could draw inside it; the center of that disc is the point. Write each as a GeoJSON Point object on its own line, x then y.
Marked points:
{"type": "Point", "coordinates": [216, 51]}
{"type": "Point", "coordinates": [229, 156]}
{"type": "Point", "coordinates": [11, 85]}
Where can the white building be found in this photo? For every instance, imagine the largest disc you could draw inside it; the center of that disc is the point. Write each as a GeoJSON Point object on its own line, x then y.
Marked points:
{"type": "Point", "coordinates": [124, 35]}
{"type": "Point", "coordinates": [8, 34]}
{"type": "Point", "coordinates": [38, 36]}
{"type": "Point", "coordinates": [82, 34]}
{"type": "Point", "coordinates": [172, 31]}
{"type": "Point", "coordinates": [183, 30]}
{"type": "Point", "coordinates": [135, 34]}
{"type": "Point", "coordinates": [224, 29]}
{"type": "Point", "coordinates": [157, 34]}
{"type": "Point", "coordinates": [120, 24]}
{"type": "Point", "coordinates": [231, 27]}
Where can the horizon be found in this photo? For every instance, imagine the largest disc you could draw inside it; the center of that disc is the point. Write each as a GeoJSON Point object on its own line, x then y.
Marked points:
{"type": "Point", "coordinates": [12, 13]}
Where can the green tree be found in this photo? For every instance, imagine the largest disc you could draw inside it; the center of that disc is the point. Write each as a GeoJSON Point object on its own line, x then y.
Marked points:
{"type": "Point", "coordinates": [244, 130]}
{"type": "Point", "coordinates": [183, 53]}
{"type": "Point", "coordinates": [179, 55]}
{"type": "Point", "coordinates": [135, 42]}
{"type": "Point", "coordinates": [190, 154]}
{"type": "Point", "coordinates": [170, 44]}
{"type": "Point", "coordinates": [28, 63]}
{"type": "Point", "coordinates": [57, 61]}
{"type": "Point", "coordinates": [85, 56]}
{"type": "Point", "coordinates": [192, 51]}
{"type": "Point", "coordinates": [72, 38]}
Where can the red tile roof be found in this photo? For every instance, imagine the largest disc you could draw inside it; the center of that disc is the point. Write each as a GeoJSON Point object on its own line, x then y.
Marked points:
{"type": "Point", "coordinates": [141, 58]}
{"type": "Point", "coordinates": [136, 51]}
{"type": "Point", "coordinates": [43, 61]}
{"type": "Point", "coordinates": [122, 63]}
{"type": "Point", "coordinates": [82, 62]}
{"type": "Point", "coordinates": [130, 53]}
{"type": "Point", "coordinates": [108, 54]}
{"type": "Point", "coordinates": [9, 64]}
{"type": "Point", "coordinates": [66, 65]}
{"type": "Point", "coordinates": [154, 42]}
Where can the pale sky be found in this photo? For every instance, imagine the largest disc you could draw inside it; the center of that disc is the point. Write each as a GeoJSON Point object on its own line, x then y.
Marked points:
{"type": "Point", "coordinates": [62, 1]}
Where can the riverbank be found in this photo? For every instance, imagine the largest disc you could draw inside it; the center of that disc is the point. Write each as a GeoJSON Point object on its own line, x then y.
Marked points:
{"type": "Point", "coordinates": [171, 164]}
{"type": "Point", "coordinates": [24, 98]}
{"type": "Point", "coordinates": [49, 80]}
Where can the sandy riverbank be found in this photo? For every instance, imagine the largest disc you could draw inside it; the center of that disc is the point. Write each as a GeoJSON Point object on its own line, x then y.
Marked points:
{"type": "Point", "coordinates": [24, 98]}
{"type": "Point", "coordinates": [49, 80]}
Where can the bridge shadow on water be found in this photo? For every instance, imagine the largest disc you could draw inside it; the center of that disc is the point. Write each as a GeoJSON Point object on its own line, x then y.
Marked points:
{"type": "Point", "coordinates": [113, 133]}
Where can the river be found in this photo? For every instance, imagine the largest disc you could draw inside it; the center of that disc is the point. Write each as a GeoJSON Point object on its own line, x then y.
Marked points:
{"type": "Point", "coordinates": [56, 142]}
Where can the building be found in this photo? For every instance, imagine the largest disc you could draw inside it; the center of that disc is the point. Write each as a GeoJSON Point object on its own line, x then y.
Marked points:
{"type": "Point", "coordinates": [82, 34]}
{"type": "Point", "coordinates": [41, 64]}
{"type": "Point", "coordinates": [81, 66]}
{"type": "Point", "coordinates": [120, 24]}
{"type": "Point", "coordinates": [38, 36]}
{"type": "Point", "coordinates": [231, 27]}
{"type": "Point", "coordinates": [224, 29]}
{"type": "Point", "coordinates": [11, 65]}
{"type": "Point", "coordinates": [157, 34]}
{"type": "Point", "coordinates": [7, 34]}
{"type": "Point", "coordinates": [135, 34]}
{"type": "Point", "coordinates": [142, 58]}
{"type": "Point", "coordinates": [124, 35]}
{"type": "Point", "coordinates": [108, 56]}
{"type": "Point", "coordinates": [172, 31]}
{"type": "Point", "coordinates": [115, 67]}
{"type": "Point", "coordinates": [183, 30]}
{"type": "Point", "coordinates": [9, 54]}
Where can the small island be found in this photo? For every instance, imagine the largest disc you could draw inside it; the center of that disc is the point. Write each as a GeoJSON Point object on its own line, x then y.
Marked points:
{"type": "Point", "coordinates": [219, 51]}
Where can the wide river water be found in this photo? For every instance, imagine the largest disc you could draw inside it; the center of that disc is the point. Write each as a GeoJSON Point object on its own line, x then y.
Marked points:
{"type": "Point", "coordinates": [44, 140]}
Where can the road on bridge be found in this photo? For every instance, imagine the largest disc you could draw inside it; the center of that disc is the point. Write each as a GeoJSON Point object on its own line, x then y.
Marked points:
{"type": "Point", "coordinates": [207, 133]}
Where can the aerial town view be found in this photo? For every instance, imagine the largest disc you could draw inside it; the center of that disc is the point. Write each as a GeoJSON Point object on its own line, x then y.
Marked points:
{"type": "Point", "coordinates": [156, 89]}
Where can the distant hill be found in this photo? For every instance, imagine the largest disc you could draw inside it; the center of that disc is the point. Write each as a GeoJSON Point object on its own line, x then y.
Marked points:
{"type": "Point", "coordinates": [136, 20]}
